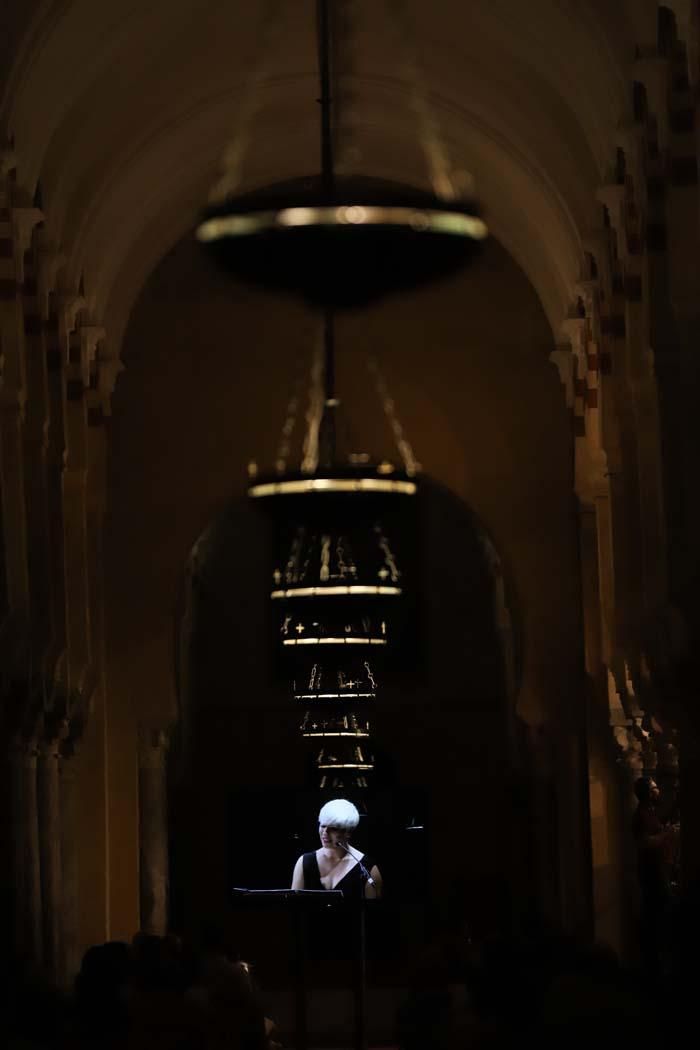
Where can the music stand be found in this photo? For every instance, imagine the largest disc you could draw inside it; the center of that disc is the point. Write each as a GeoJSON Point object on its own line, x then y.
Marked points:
{"type": "Point", "coordinates": [300, 903]}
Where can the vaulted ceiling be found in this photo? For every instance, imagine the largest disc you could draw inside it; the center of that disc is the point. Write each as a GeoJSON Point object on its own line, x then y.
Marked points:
{"type": "Point", "coordinates": [120, 111]}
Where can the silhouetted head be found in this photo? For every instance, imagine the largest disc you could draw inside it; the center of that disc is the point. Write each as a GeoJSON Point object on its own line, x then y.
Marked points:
{"type": "Point", "coordinates": [646, 789]}
{"type": "Point", "coordinates": [105, 967]}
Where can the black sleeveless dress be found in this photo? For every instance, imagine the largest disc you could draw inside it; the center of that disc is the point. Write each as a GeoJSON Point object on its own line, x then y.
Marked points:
{"type": "Point", "coordinates": [350, 885]}
{"type": "Point", "coordinates": [332, 933]}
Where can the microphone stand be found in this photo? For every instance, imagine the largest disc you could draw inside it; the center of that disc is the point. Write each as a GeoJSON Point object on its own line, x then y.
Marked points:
{"type": "Point", "coordinates": [363, 870]}
{"type": "Point", "coordinates": [361, 982]}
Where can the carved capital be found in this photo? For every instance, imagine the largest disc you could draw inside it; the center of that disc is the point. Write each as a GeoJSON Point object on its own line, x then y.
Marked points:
{"type": "Point", "coordinates": [23, 222]}
{"type": "Point", "coordinates": [597, 243]}
{"type": "Point", "coordinates": [589, 290]}
{"type": "Point", "coordinates": [48, 264]}
{"type": "Point", "coordinates": [623, 732]}
{"type": "Point", "coordinates": [631, 137]}
{"type": "Point", "coordinates": [108, 369]}
{"type": "Point", "coordinates": [90, 336]}
{"type": "Point", "coordinates": [563, 359]}
{"type": "Point", "coordinates": [575, 329]}
{"type": "Point", "coordinates": [614, 196]}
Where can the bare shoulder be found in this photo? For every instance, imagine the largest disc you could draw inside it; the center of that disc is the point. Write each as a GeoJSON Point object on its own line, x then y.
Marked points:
{"type": "Point", "coordinates": [298, 874]}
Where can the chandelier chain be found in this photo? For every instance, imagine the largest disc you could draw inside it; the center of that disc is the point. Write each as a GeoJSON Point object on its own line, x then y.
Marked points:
{"type": "Point", "coordinates": [440, 168]}
{"type": "Point", "coordinates": [314, 413]}
{"type": "Point", "coordinates": [268, 32]}
{"type": "Point", "coordinates": [405, 449]}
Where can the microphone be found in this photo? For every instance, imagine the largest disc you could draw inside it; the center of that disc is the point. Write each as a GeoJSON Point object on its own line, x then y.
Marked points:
{"type": "Point", "coordinates": [368, 878]}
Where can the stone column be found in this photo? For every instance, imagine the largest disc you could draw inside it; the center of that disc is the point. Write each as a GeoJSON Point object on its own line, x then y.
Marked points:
{"type": "Point", "coordinates": [50, 853]}
{"type": "Point", "coordinates": [590, 592]}
{"type": "Point", "coordinates": [153, 831]}
{"type": "Point", "coordinates": [25, 826]}
{"type": "Point", "coordinates": [70, 960]}
{"type": "Point", "coordinates": [606, 577]}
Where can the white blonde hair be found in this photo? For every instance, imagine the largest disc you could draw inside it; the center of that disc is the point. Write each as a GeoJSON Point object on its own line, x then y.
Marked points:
{"type": "Point", "coordinates": [339, 813]}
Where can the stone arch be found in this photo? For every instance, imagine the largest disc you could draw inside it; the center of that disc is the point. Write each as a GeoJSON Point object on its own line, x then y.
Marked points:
{"type": "Point", "coordinates": [466, 677]}
{"type": "Point", "coordinates": [153, 482]}
{"type": "Point", "coordinates": [113, 231]}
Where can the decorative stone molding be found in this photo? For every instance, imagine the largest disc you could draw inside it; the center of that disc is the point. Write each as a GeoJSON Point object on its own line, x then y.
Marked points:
{"type": "Point", "coordinates": [90, 336]}
{"type": "Point", "coordinates": [589, 291]}
{"type": "Point", "coordinates": [575, 329]}
{"type": "Point", "coordinates": [597, 243]}
{"type": "Point", "coordinates": [563, 359]}
{"type": "Point", "coordinates": [614, 197]}
{"type": "Point", "coordinates": [108, 370]}
{"type": "Point", "coordinates": [23, 222]}
{"type": "Point", "coordinates": [631, 138]}
{"type": "Point", "coordinates": [622, 726]}
{"type": "Point", "coordinates": [47, 265]}
{"type": "Point", "coordinates": [68, 307]}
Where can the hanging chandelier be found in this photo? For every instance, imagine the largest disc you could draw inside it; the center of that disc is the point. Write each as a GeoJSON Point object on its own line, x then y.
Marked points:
{"type": "Point", "coordinates": [341, 241]}
{"type": "Point", "coordinates": [337, 598]}
{"type": "Point", "coordinates": [338, 587]}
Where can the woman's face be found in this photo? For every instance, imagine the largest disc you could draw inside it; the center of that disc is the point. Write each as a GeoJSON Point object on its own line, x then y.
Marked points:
{"type": "Point", "coordinates": [330, 835]}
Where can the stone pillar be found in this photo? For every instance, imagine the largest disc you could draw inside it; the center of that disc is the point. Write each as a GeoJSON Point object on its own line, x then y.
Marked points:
{"type": "Point", "coordinates": [70, 960]}
{"type": "Point", "coordinates": [606, 577]}
{"type": "Point", "coordinates": [153, 831]}
{"type": "Point", "coordinates": [50, 853]}
{"type": "Point", "coordinates": [590, 592]}
{"type": "Point", "coordinates": [25, 826]}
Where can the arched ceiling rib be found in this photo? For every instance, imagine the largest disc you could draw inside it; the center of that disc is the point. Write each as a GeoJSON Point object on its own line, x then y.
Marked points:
{"type": "Point", "coordinates": [122, 109]}
{"type": "Point", "coordinates": [524, 211]}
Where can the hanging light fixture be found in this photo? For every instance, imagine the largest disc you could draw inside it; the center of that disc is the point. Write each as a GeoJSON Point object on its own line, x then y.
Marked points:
{"type": "Point", "coordinates": [338, 589]}
{"type": "Point", "coordinates": [337, 240]}
{"type": "Point", "coordinates": [337, 595]}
